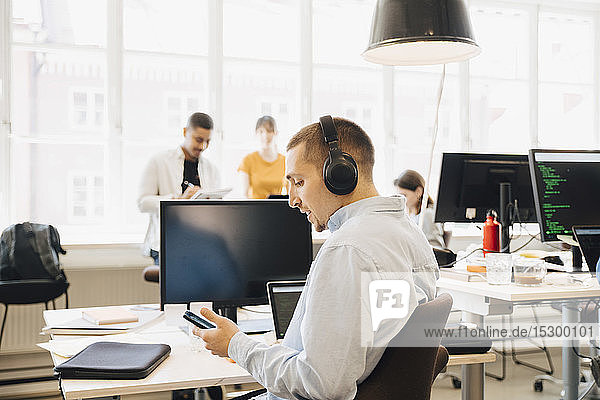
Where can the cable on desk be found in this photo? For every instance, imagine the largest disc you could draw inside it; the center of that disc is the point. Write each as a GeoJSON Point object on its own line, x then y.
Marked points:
{"type": "Point", "coordinates": [255, 311]}
{"type": "Point", "coordinates": [526, 243]}
{"type": "Point", "coordinates": [460, 259]}
{"type": "Point", "coordinates": [521, 227]}
{"type": "Point", "coordinates": [478, 249]}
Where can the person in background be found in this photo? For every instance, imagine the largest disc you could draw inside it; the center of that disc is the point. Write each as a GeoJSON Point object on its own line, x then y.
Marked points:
{"type": "Point", "coordinates": [261, 173]}
{"type": "Point", "coordinates": [412, 185]}
{"type": "Point", "coordinates": [176, 174]}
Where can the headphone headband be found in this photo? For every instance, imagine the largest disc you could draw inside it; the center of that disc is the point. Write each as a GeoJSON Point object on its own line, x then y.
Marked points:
{"type": "Point", "coordinates": [328, 128]}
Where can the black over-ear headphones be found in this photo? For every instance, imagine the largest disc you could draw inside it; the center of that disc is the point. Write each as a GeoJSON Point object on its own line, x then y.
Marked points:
{"type": "Point", "coordinates": [340, 172]}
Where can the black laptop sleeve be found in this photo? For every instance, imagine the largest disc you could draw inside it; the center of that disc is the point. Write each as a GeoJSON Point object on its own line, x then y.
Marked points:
{"type": "Point", "coordinates": [111, 360]}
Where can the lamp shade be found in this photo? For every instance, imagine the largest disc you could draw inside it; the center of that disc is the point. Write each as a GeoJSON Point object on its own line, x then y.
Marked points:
{"type": "Point", "coordinates": [420, 32]}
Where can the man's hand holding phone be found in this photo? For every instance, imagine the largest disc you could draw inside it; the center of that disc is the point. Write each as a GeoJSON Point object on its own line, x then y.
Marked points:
{"type": "Point", "coordinates": [217, 339]}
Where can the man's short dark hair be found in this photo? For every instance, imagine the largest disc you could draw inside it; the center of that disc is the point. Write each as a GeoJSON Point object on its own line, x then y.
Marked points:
{"type": "Point", "coordinates": [200, 120]}
{"type": "Point", "coordinates": [352, 140]}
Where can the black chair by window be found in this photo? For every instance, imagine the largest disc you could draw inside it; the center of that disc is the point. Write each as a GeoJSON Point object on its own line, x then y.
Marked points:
{"type": "Point", "coordinates": [31, 291]}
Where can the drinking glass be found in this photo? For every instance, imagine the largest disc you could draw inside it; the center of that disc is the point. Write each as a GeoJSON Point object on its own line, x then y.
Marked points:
{"type": "Point", "coordinates": [529, 272]}
{"type": "Point", "coordinates": [498, 268]}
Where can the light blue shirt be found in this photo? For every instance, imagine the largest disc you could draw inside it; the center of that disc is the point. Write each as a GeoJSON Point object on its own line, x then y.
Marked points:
{"type": "Point", "coordinates": [330, 347]}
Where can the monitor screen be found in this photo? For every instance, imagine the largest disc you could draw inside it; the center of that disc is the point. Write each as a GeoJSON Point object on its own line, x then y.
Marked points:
{"type": "Point", "coordinates": [566, 188]}
{"type": "Point", "coordinates": [284, 297]}
{"type": "Point", "coordinates": [226, 251]}
{"type": "Point", "coordinates": [588, 238]}
{"type": "Point", "coordinates": [470, 186]}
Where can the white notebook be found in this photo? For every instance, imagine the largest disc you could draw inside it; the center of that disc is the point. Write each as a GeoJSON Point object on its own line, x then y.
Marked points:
{"type": "Point", "coordinates": [109, 315]}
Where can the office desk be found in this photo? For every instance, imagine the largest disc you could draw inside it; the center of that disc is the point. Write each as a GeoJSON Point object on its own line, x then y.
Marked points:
{"type": "Point", "coordinates": [183, 369]}
{"type": "Point", "coordinates": [479, 299]}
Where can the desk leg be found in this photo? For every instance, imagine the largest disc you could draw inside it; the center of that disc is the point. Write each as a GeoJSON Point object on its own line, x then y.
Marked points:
{"type": "Point", "coordinates": [570, 361]}
{"type": "Point", "coordinates": [473, 375]}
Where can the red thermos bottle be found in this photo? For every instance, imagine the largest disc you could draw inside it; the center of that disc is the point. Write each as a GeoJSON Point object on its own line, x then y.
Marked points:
{"type": "Point", "coordinates": [491, 235]}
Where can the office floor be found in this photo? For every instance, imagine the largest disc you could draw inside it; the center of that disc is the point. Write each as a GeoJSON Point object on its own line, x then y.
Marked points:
{"type": "Point", "coordinates": [517, 385]}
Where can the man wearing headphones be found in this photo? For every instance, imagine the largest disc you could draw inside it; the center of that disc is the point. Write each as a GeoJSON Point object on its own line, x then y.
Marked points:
{"type": "Point", "coordinates": [331, 345]}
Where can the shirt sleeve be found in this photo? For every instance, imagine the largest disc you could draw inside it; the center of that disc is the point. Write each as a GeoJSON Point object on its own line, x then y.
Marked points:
{"type": "Point", "coordinates": [332, 359]}
{"type": "Point", "coordinates": [148, 196]}
{"type": "Point", "coordinates": [216, 177]}
{"type": "Point", "coordinates": [245, 165]}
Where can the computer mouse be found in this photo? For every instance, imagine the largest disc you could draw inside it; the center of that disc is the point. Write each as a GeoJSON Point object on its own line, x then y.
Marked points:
{"type": "Point", "coordinates": [553, 260]}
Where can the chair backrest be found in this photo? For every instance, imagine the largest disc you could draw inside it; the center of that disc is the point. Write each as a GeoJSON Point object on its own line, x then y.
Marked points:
{"type": "Point", "coordinates": [408, 372]}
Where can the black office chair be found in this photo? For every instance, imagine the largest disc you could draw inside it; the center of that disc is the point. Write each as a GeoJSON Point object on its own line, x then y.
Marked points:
{"type": "Point", "coordinates": [405, 371]}
{"type": "Point", "coordinates": [31, 291]}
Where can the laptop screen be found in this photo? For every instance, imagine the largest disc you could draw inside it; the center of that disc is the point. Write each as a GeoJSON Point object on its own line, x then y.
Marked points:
{"type": "Point", "coordinates": [283, 297]}
{"type": "Point", "coordinates": [588, 238]}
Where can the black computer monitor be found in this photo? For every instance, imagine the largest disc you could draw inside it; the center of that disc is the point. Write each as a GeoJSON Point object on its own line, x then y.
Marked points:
{"type": "Point", "coordinates": [566, 189]}
{"type": "Point", "coordinates": [226, 251]}
{"type": "Point", "coordinates": [470, 186]}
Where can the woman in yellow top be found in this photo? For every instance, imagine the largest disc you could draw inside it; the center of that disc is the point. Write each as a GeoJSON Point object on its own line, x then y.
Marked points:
{"type": "Point", "coordinates": [262, 172]}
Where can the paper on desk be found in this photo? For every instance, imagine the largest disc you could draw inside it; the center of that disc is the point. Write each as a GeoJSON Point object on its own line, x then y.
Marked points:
{"type": "Point", "coordinates": [68, 348]}
{"type": "Point", "coordinates": [78, 326]}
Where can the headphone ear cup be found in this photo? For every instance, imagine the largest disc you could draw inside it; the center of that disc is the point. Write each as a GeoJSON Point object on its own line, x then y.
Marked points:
{"type": "Point", "coordinates": [340, 174]}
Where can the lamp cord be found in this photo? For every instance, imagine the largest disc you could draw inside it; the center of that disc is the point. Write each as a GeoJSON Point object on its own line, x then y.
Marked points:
{"type": "Point", "coordinates": [425, 197]}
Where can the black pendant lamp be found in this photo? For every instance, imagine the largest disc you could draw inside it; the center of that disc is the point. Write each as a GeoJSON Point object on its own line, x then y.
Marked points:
{"type": "Point", "coordinates": [420, 32]}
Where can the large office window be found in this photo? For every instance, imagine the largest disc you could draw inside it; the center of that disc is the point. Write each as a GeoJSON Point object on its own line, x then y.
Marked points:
{"type": "Point", "coordinates": [93, 97]}
{"type": "Point", "coordinates": [165, 79]}
{"type": "Point", "coordinates": [566, 59]}
{"type": "Point", "coordinates": [58, 110]}
{"type": "Point", "coordinates": [499, 105]}
{"type": "Point", "coordinates": [261, 75]}
{"type": "Point", "coordinates": [343, 83]}
{"type": "Point", "coordinates": [415, 101]}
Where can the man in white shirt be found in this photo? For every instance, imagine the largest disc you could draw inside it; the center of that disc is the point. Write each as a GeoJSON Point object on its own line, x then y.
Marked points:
{"type": "Point", "coordinates": [331, 346]}
{"type": "Point", "coordinates": [176, 174]}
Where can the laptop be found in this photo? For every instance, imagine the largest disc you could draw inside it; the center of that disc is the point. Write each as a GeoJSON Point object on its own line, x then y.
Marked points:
{"type": "Point", "coordinates": [283, 297]}
{"type": "Point", "coordinates": [588, 237]}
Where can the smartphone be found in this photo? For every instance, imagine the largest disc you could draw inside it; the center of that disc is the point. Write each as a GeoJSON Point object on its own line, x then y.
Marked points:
{"type": "Point", "coordinates": [198, 321]}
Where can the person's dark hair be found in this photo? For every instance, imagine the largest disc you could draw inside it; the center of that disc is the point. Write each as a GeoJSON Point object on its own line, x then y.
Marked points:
{"type": "Point", "coordinates": [411, 180]}
{"type": "Point", "coordinates": [352, 140]}
{"type": "Point", "coordinates": [267, 122]}
{"type": "Point", "coordinates": [200, 120]}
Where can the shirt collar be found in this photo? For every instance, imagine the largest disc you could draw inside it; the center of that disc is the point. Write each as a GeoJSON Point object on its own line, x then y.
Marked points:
{"type": "Point", "coordinates": [181, 155]}
{"type": "Point", "coordinates": [365, 206]}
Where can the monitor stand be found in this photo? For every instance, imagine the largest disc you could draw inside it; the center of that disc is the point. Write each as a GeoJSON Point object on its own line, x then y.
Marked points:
{"type": "Point", "coordinates": [227, 312]}
{"type": "Point", "coordinates": [575, 251]}
{"type": "Point", "coordinates": [505, 216]}
{"type": "Point", "coordinates": [261, 325]}
{"type": "Point", "coordinates": [577, 259]}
